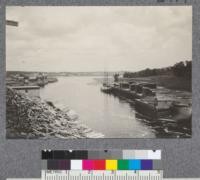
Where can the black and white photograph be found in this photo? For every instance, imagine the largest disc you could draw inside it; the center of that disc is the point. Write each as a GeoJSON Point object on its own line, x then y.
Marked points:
{"type": "Point", "coordinates": [98, 72]}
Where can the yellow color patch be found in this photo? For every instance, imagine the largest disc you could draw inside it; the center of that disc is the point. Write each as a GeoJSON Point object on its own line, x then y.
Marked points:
{"type": "Point", "coordinates": [111, 164]}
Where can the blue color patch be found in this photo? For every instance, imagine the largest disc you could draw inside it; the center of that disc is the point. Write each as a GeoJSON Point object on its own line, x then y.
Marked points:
{"type": "Point", "coordinates": [134, 164]}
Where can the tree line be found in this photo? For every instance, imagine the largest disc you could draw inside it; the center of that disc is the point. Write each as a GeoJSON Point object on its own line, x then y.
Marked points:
{"type": "Point", "coordinates": [180, 69]}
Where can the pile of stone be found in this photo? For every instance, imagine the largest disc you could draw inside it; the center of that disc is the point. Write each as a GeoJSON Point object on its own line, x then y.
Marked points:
{"type": "Point", "coordinates": [33, 118]}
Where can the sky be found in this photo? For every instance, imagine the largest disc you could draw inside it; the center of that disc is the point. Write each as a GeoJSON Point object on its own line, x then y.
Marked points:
{"type": "Point", "coordinates": [84, 39]}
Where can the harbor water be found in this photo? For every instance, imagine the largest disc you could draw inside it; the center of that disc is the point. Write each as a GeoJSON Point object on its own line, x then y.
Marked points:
{"type": "Point", "coordinates": [104, 113]}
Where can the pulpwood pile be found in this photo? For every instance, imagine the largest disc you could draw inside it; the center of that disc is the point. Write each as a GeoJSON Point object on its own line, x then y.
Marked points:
{"type": "Point", "coordinates": [32, 118]}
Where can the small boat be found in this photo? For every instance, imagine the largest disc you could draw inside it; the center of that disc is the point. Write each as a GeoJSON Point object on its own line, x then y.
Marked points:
{"type": "Point", "coordinates": [106, 88]}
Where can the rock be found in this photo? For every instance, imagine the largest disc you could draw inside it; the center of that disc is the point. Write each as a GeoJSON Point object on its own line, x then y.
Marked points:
{"type": "Point", "coordinates": [72, 114]}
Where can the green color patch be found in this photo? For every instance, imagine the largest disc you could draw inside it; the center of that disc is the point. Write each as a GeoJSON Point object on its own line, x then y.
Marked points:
{"type": "Point", "coordinates": [122, 164]}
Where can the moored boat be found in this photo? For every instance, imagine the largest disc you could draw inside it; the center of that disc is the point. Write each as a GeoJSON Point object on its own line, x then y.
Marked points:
{"type": "Point", "coordinates": [146, 107]}
{"type": "Point", "coordinates": [106, 88]}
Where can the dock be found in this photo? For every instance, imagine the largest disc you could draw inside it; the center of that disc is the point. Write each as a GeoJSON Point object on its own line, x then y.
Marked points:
{"type": "Point", "coordinates": [149, 102]}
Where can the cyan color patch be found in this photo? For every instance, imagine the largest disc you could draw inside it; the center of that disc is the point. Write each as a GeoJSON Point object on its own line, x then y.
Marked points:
{"type": "Point", "coordinates": [134, 164]}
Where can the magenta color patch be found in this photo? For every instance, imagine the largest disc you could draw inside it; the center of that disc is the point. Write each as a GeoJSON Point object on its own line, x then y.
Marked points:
{"type": "Point", "coordinates": [87, 164]}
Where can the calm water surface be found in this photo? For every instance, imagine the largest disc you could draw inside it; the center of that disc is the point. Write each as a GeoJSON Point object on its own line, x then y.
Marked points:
{"type": "Point", "coordinates": [103, 113]}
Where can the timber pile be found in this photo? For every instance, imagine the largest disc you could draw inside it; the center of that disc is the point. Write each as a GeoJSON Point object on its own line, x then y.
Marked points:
{"type": "Point", "coordinates": [32, 118]}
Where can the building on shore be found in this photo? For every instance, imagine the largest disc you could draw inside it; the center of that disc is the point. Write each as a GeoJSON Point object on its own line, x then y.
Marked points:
{"type": "Point", "coordinates": [31, 91]}
{"type": "Point", "coordinates": [32, 78]}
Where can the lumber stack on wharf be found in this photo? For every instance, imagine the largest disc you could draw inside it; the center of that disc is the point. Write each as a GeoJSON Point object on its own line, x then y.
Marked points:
{"type": "Point", "coordinates": [29, 117]}
{"type": "Point", "coordinates": [132, 90]}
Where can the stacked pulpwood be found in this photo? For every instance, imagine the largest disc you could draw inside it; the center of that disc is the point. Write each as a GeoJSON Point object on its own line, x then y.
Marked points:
{"type": "Point", "coordinates": [33, 118]}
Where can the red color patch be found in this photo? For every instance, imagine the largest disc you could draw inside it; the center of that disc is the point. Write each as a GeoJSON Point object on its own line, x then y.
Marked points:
{"type": "Point", "coordinates": [99, 164]}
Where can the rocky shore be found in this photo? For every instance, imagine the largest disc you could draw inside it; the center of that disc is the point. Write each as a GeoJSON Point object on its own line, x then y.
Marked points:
{"type": "Point", "coordinates": [33, 118]}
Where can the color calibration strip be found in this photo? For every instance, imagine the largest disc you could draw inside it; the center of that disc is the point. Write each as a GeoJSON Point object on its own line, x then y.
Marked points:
{"type": "Point", "coordinates": [121, 164]}
{"type": "Point", "coordinates": [105, 154]}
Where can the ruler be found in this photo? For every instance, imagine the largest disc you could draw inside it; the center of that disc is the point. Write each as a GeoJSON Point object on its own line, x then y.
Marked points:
{"type": "Point", "coordinates": [101, 175]}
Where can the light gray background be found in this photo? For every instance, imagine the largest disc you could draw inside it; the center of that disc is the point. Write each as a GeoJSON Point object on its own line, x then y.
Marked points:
{"type": "Point", "coordinates": [21, 158]}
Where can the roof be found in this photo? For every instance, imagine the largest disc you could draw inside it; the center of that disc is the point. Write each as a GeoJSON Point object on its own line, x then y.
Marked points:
{"type": "Point", "coordinates": [25, 87]}
{"type": "Point", "coordinates": [34, 77]}
{"type": "Point", "coordinates": [124, 83]}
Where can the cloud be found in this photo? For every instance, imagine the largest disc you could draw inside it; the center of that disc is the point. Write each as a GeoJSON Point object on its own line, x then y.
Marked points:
{"type": "Point", "coordinates": [90, 38]}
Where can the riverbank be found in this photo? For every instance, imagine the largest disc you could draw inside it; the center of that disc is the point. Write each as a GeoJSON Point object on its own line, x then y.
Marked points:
{"type": "Point", "coordinates": [167, 110]}
{"type": "Point", "coordinates": [33, 118]}
{"type": "Point", "coordinates": [29, 79]}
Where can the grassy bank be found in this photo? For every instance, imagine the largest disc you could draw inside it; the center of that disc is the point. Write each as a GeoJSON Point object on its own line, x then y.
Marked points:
{"type": "Point", "coordinates": [170, 82]}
